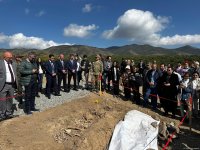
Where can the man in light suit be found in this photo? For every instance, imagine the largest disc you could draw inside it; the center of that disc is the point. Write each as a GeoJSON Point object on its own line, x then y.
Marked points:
{"type": "Point", "coordinates": [8, 78]}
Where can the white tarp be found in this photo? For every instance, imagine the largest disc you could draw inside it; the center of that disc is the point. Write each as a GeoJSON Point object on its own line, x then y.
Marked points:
{"type": "Point", "coordinates": [135, 132]}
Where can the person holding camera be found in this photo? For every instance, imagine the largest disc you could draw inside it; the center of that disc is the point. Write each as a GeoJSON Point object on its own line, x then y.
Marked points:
{"type": "Point", "coordinates": [107, 72]}
{"type": "Point", "coordinates": [29, 73]}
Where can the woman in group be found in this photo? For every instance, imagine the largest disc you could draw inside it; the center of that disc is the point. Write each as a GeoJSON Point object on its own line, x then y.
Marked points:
{"type": "Point", "coordinates": [185, 91]}
{"type": "Point", "coordinates": [115, 76]}
{"type": "Point", "coordinates": [195, 92]}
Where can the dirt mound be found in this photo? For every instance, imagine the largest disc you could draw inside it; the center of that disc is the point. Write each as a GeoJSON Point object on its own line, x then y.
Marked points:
{"type": "Point", "coordinates": [84, 124]}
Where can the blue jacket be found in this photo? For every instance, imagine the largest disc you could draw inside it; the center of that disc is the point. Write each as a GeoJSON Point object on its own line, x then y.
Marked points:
{"type": "Point", "coordinates": [149, 77]}
{"type": "Point", "coordinates": [48, 68]}
{"type": "Point", "coordinates": [60, 67]}
{"type": "Point", "coordinates": [71, 66]}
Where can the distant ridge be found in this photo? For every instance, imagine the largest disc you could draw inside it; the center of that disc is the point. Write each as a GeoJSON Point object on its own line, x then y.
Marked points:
{"type": "Point", "coordinates": [133, 49]}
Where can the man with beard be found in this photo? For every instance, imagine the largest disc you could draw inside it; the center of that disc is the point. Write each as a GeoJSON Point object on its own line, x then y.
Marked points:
{"type": "Point", "coordinates": [169, 82]}
{"type": "Point", "coordinates": [29, 73]}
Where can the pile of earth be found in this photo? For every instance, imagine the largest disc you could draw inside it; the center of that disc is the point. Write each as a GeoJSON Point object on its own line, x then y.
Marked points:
{"type": "Point", "coordinates": [82, 124]}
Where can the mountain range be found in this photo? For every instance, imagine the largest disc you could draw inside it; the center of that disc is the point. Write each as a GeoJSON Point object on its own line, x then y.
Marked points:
{"type": "Point", "coordinates": [127, 50]}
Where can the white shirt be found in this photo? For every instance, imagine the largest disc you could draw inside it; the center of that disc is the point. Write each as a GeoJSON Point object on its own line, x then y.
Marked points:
{"type": "Point", "coordinates": [78, 66]}
{"type": "Point", "coordinates": [115, 73]}
{"type": "Point", "coordinates": [40, 70]}
{"type": "Point", "coordinates": [8, 75]}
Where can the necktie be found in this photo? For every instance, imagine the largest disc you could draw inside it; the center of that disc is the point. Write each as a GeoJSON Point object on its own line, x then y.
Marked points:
{"type": "Point", "coordinates": [11, 73]}
{"type": "Point", "coordinates": [62, 64]}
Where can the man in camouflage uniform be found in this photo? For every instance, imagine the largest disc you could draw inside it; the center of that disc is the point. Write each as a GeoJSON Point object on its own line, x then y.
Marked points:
{"type": "Point", "coordinates": [97, 71]}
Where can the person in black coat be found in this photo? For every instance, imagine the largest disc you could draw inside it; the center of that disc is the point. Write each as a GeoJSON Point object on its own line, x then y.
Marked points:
{"type": "Point", "coordinates": [168, 83]}
{"type": "Point", "coordinates": [141, 66]}
{"type": "Point", "coordinates": [135, 79]}
{"type": "Point", "coordinates": [71, 67]}
{"type": "Point", "coordinates": [62, 73]}
{"type": "Point", "coordinates": [115, 76]}
{"type": "Point", "coordinates": [51, 72]}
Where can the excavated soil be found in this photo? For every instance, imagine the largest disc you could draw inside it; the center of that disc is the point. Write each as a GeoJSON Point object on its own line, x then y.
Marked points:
{"type": "Point", "coordinates": [83, 124]}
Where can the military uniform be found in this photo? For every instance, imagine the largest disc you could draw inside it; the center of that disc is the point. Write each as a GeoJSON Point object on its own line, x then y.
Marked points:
{"type": "Point", "coordinates": [97, 71]}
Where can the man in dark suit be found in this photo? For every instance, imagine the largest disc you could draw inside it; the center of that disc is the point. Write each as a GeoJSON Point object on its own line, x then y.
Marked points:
{"type": "Point", "coordinates": [51, 72]}
{"type": "Point", "coordinates": [141, 66]}
{"type": "Point", "coordinates": [8, 77]}
{"type": "Point", "coordinates": [72, 67]}
{"type": "Point", "coordinates": [62, 73]}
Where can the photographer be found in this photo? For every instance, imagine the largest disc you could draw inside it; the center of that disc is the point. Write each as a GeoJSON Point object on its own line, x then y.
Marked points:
{"type": "Point", "coordinates": [107, 72]}
{"type": "Point", "coordinates": [29, 73]}
{"type": "Point", "coordinates": [135, 80]}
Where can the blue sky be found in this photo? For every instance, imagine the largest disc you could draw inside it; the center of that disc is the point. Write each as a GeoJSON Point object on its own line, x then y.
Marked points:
{"type": "Point", "coordinates": [100, 23]}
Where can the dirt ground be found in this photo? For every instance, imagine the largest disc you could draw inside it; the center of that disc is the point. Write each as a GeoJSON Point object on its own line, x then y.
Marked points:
{"type": "Point", "coordinates": [84, 124]}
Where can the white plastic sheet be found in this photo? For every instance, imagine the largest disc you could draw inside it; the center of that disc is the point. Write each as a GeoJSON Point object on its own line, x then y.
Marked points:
{"type": "Point", "coordinates": [135, 132]}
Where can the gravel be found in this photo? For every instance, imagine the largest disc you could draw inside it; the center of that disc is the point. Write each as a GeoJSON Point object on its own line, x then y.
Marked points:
{"type": "Point", "coordinates": [44, 103]}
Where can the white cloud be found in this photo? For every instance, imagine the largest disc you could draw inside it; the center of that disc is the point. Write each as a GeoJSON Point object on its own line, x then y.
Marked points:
{"type": "Point", "coordinates": [143, 27]}
{"type": "Point", "coordinates": [87, 8]}
{"type": "Point", "coordinates": [79, 30]}
{"type": "Point", "coordinates": [40, 13]}
{"type": "Point", "coordinates": [27, 11]}
{"type": "Point", "coordinates": [19, 40]}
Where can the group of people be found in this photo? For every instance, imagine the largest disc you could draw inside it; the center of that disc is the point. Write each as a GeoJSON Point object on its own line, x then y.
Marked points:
{"type": "Point", "coordinates": [140, 82]}
{"type": "Point", "coordinates": [175, 87]}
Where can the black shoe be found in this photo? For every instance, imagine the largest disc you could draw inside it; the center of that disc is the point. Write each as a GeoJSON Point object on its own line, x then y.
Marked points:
{"type": "Point", "coordinates": [48, 96]}
{"type": "Point", "coordinates": [75, 89]}
{"type": "Point", "coordinates": [57, 94]}
{"type": "Point", "coordinates": [37, 95]}
{"type": "Point", "coordinates": [34, 109]}
{"type": "Point", "coordinates": [28, 113]}
{"type": "Point", "coordinates": [11, 116]}
{"type": "Point", "coordinates": [67, 91]}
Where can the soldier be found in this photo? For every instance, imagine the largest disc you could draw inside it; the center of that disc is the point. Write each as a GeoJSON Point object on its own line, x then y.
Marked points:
{"type": "Point", "coordinates": [97, 71]}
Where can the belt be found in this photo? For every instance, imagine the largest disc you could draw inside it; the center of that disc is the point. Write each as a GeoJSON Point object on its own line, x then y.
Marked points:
{"type": "Point", "coordinates": [10, 83]}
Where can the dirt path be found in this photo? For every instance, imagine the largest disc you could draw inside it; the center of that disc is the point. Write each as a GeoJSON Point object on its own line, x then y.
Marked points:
{"type": "Point", "coordinates": [84, 124]}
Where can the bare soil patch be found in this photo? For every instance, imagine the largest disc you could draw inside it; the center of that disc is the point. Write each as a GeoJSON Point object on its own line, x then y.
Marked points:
{"type": "Point", "coordinates": [83, 124]}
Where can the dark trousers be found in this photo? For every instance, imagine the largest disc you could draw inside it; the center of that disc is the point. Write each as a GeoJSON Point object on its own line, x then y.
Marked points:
{"type": "Point", "coordinates": [70, 75]}
{"type": "Point", "coordinates": [62, 77]}
{"type": "Point", "coordinates": [153, 93]}
{"type": "Point", "coordinates": [169, 103]}
{"type": "Point", "coordinates": [40, 79]}
{"type": "Point", "coordinates": [106, 74]}
{"type": "Point", "coordinates": [6, 100]}
{"type": "Point", "coordinates": [136, 94]}
{"type": "Point", "coordinates": [127, 91]}
{"type": "Point", "coordinates": [30, 92]}
{"type": "Point", "coordinates": [51, 83]}
{"type": "Point", "coordinates": [79, 77]}
{"type": "Point", "coordinates": [115, 87]}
